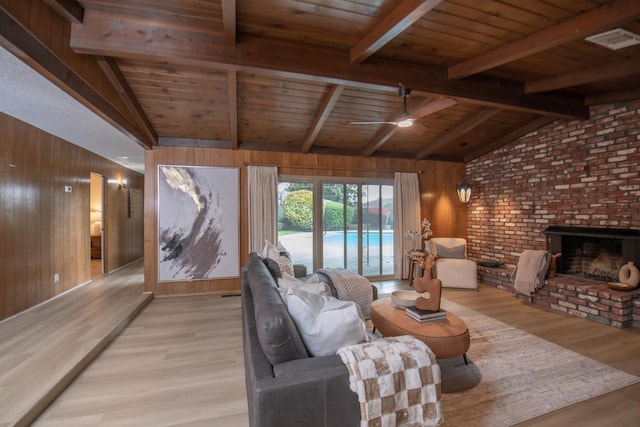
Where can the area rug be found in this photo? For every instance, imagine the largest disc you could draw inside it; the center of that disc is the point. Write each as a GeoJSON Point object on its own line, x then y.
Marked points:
{"type": "Point", "coordinates": [513, 376]}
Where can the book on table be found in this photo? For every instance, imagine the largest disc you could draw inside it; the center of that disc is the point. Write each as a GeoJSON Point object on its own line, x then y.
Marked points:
{"type": "Point", "coordinates": [424, 315]}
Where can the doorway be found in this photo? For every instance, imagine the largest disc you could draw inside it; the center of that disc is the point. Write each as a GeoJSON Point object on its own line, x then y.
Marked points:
{"type": "Point", "coordinates": [96, 224]}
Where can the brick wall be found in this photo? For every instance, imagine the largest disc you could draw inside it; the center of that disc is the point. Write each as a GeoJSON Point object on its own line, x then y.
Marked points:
{"type": "Point", "coordinates": [571, 173]}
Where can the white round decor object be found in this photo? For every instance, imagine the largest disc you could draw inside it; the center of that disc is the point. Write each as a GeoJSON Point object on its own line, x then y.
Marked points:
{"type": "Point", "coordinates": [629, 275]}
{"type": "Point", "coordinates": [404, 298]}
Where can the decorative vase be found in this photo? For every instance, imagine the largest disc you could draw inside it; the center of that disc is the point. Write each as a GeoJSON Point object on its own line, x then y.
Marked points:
{"type": "Point", "coordinates": [629, 275]}
{"type": "Point", "coordinates": [432, 290]}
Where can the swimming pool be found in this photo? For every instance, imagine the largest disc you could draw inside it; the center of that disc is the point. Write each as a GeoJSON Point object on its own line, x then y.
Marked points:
{"type": "Point", "coordinates": [369, 239]}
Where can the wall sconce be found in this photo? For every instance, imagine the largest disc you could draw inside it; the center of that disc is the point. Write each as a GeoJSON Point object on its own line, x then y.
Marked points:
{"type": "Point", "coordinates": [464, 188]}
{"type": "Point", "coordinates": [464, 191]}
{"type": "Point", "coordinates": [123, 184]}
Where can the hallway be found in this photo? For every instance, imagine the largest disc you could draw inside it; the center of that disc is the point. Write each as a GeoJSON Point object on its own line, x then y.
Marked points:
{"type": "Point", "coordinates": [43, 349]}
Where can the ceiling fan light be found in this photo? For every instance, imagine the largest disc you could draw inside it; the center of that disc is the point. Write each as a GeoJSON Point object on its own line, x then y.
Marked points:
{"type": "Point", "coordinates": [405, 123]}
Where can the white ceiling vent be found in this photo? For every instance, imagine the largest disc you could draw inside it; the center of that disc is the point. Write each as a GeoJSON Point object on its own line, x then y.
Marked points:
{"type": "Point", "coordinates": [615, 39]}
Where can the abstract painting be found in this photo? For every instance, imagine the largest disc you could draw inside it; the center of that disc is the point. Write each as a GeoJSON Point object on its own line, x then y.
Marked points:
{"type": "Point", "coordinates": [198, 232]}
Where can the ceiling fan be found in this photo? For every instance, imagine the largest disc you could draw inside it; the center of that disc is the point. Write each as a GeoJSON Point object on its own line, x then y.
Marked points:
{"type": "Point", "coordinates": [404, 120]}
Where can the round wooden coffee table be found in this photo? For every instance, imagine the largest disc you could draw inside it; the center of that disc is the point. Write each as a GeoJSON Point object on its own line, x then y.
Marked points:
{"type": "Point", "coordinates": [445, 337]}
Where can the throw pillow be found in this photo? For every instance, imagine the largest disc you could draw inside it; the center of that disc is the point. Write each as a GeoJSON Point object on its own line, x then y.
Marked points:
{"type": "Point", "coordinates": [325, 323]}
{"type": "Point", "coordinates": [450, 252]}
{"type": "Point", "coordinates": [312, 285]}
{"type": "Point", "coordinates": [280, 255]}
{"type": "Point", "coordinates": [273, 268]}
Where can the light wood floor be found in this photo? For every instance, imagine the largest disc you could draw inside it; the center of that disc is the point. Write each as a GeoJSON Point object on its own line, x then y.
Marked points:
{"type": "Point", "coordinates": [96, 268]}
{"type": "Point", "coordinates": [44, 348]}
{"type": "Point", "coordinates": [180, 362]}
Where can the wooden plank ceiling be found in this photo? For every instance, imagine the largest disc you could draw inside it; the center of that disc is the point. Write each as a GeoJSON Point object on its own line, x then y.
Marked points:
{"type": "Point", "coordinates": [291, 75]}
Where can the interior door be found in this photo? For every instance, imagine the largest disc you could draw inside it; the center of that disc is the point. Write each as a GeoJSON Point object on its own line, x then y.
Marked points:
{"type": "Point", "coordinates": [96, 223]}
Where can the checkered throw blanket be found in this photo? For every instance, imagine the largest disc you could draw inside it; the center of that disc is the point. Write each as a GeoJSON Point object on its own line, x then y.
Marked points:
{"type": "Point", "coordinates": [397, 380]}
{"type": "Point", "coordinates": [351, 287]}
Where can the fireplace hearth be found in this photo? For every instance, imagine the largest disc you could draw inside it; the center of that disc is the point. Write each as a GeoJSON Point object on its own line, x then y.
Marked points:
{"type": "Point", "coordinates": [593, 253]}
{"type": "Point", "coordinates": [589, 258]}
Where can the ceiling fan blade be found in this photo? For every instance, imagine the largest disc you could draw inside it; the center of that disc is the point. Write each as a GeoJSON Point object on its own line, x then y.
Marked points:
{"type": "Point", "coordinates": [405, 119]}
{"type": "Point", "coordinates": [373, 123]}
{"type": "Point", "coordinates": [419, 128]}
{"type": "Point", "coordinates": [433, 106]}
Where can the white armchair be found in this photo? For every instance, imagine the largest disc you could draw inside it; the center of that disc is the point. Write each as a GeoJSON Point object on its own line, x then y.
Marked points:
{"type": "Point", "coordinates": [452, 266]}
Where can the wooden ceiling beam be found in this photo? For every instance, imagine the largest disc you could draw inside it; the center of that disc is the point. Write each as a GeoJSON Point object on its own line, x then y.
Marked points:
{"type": "Point", "coordinates": [400, 18]}
{"type": "Point", "coordinates": [611, 97]}
{"type": "Point", "coordinates": [193, 142]}
{"type": "Point", "coordinates": [126, 37]}
{"type": "Point", "coordinates": [322, 113]}
{"type": "Point", "coordinates": [71, 10]}
{"type": "Point", "coordinates": [575, 28]}
{"type": "Point", "coordinates": [509, 137]}
{"type": "Point", "coordinates": [432, 106]}
{"type": "Point", "coordinates": [119, 82]}
{"type": "Point", "coordinates": [464, 127]}
{"type": "Point", "coordinates": [232, 78]}
{"type": "Point", "coordinates": [39, 57]}
{"type": "Point", "coordinates": [379, 138]}
{"type": "Point", "coordinates": [229, 21]}
{"type": "Point", "coordinates": [612, 70]}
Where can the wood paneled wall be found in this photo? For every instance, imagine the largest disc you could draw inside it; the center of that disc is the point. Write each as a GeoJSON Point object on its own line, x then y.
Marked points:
{"type": "Point", "coordinates": [45, 231]}
{"type": "Point", "coordinates": [437, 184]}
{"type": "Point", "coordinates": [439, 199]}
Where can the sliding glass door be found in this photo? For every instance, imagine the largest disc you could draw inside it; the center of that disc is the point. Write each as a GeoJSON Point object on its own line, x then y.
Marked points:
{"type": "Point", "coordinates": [340, 242]}
{"type": "Point", "coordinates": [296, 220]}
{"type": "Point", "coordinates": [377, 229]}
{"type": "Point", "coordinates": [338, 223]}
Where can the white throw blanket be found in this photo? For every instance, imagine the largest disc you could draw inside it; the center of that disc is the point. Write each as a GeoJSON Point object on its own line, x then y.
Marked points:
{"type": "Point", "coordinates": [397, 380]}
{"type": "Point", "coordinates": [531, 270]}
{"type": "Point", "coordinates": [351, 287]}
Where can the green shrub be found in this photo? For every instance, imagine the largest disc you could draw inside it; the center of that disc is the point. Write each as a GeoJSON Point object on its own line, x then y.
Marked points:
{"type": "Point", "coordinates": [334, 215]}
{"type": "Point", "coordinates": [298, 210]}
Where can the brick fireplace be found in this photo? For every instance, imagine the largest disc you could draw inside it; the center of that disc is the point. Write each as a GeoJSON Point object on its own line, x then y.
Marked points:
{"type": "Point", "coordinates": [578, 174]}
{"type": "Point", "coordinates": [593, 253]}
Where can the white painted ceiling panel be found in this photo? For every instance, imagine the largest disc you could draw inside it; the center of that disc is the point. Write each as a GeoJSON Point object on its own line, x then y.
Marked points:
{"type": "Point", "coordinates": [31, 98]}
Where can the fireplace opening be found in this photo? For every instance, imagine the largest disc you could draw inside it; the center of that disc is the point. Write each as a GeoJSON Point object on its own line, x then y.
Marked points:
{"type": "Point", "coordinates": [592, 257]}
{"type": "Point", "coordinates": [593, 253]}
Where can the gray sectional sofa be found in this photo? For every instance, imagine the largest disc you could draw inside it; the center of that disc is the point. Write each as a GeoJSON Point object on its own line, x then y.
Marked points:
{"type": "Point", "coordinates": [285, 385]}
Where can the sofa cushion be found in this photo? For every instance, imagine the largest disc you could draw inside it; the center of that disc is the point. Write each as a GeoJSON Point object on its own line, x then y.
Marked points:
{"type": "Point", "coordinates": [457, 273]}
{"type": "Point", "coordinates": [326, 323]}
{"type": "Point", "coordinates": [277, 333]}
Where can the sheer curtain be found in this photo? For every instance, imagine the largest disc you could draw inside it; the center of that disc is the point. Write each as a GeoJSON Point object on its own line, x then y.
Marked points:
{"type": "Point", "coordinates": [406, 217]}
{"type": "Point", "coordinates": [263, 206]}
